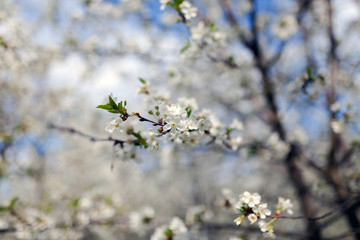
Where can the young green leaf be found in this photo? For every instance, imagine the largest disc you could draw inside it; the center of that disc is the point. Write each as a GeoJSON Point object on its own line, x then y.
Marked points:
{"type": "Point", "coordinates": [186, 47]}
{"type": "Point", "coordinates": [168, 233]}
{"type": "Point", "coordinates": [141, 140]}
{"type": "Point", "coordinates": [142, 81]}
{"type": "Point", "coordinates": [112, 102]}
{"type": "Point", "coordinates": [176, 4]}
{"type": "Point", "coordinates": [188, 111]}
{"type": "Point", "coordinates": [105, 107]}
{"type": "Point", "coordinates": [120, 107]}
{"type": "Point", "coordinates": [212, 27]}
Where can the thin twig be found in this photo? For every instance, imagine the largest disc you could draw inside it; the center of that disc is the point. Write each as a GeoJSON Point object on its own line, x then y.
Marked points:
{"type": "Point", "coordinates": [342, 206]}
{"type": "Point", "coordinates": [91, 138]}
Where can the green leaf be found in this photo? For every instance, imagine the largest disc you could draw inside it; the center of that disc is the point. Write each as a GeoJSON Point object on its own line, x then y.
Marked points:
{"type": "Point", "coordinates": [105, 107]}
{"type": "Point", "coordinates": [212, 27]}
{"type": "Point", "coordinates": [242, 209]}
{"type": "Point", "coordinates": [12, 203]}
{"type": "Point", "coordinates": [229, 130]}
{"type": "Point", "coordinates": [2, 42]}
{"type": "Point", "coordinates": [112, 102]}
{"type": "Point", "coordinates": [186, 47]}
{"type": "Point", "coordinates": [176, 4]}
{"type": "Point", "coordinates": [141, 140]}
{"type": "Point", "coordinates": [308, 72]}
{"type": "Point", "coordinates": [114, 111]}
{"type": "Point", "coordinates": [147, 219]}
{"type": "Point", "coordinates": [188, 111]}
{"type": "Point", "coordinates": [142, 81]}
{"type": "Point", "coordinates": [231, 60]}
{"type": "Point", "coordinates": [109, 108]}
{"type": "Point", "coordinates": [4, 208]}
{"type": "Point", "coordinates": [120, 107]}
{"type": "Point", "coordinates": [74, 203]}
{"type": "Point", "coordinates": [168, 233]}
{"type": "Point", "coordinates": [171, 74]}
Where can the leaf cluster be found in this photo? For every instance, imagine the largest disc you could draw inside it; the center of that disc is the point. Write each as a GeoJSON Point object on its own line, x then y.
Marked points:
{"type": "Point", "coordinates": [113, 107]}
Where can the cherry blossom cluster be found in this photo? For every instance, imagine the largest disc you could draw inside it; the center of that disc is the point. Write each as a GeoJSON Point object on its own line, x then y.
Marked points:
{"type": "Point", "coordinates": [310, 84]}
{"type": "Point", "coordinates": [175, 230]}
{"type": "Point", "coordinates": [185, 8]}
{"type": "Point", "coordinates": [203, 37]}
{"type": "Point", "coordinates": [204, 34]}
{"type": "Point", "coordinates": [179, 122]}
{"type": "Point", "coordinates": [250, 206]}
{"type": "Point", "coordinates": [141, 220]}
{"type": "Point", "coordinates": [92, 208]}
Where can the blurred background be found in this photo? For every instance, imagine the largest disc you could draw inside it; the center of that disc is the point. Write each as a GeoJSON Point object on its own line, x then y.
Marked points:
{"type": "Point", "coordinates": [60, 58]}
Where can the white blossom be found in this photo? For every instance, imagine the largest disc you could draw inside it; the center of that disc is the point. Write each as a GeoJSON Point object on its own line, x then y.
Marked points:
{"type": "Point", "coordinates": [163, 4]}
{"type": "Point", "coordinates": [267, 229]}
{"type": "Point", "coordinates": [114, 125]}
{"type": "Point", "coordinates": [174, 110]}
{"type": "Point", "coordinates": [176, 227]}
{"type": "Point", "coordinates": [285, 205]}
{"type": "Point", "coordinates": [250, 199]}
{"type": "Point", "coordinates": [204, 35]}
{"type": "Point", "coordinates": [188, 103]}
{"type": "Point", "coordinates": [337, 126]}
{"type": "Point", "coordinates": [252, 218]}
{"type": "Point", "coordinates": [235, 143]}
{"type": "Point", "coordinates": [262, 211]}
{"type": "Point", "coordinates": [285, 27]}
{"type": "Point", "coordinates": [197, 213]}
{"type": "Point", "coordinates": [188, 10]}
{"type": "Point", "coordinates": [236, 124]}
{"type": "Point", "coordinates": [172, 124]}
{"type": "Point", "coordinates": [191, 124]}
{"type": "Point", "coordinates": [335, 107]}
{"type": "Point", "coordinates": [238, 220]}
{"type": "Point", "coordinates": [139, 221]}
{"type": "Point", "coordinates": [152, 140]}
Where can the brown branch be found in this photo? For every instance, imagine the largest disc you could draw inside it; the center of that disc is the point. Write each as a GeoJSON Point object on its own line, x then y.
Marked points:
{"type": "Point", "coordinates": [343, 206]}
{"type": "Point", "coordinates": [337, 145]}
{"type": "Point", "coordinates": [274, 119]}
{"type": "Point", "coordinates": [227, 8]}
{"type": "Point", "coordinates": [84, 135]}
{"type": "Point", "coordinates": [142, 119]}
{"type": "Point", "coordinates": [302, 191]}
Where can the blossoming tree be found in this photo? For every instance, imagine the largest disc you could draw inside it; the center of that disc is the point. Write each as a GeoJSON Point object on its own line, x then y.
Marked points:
{"type": "Point", "coordinates": [257, 138]}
